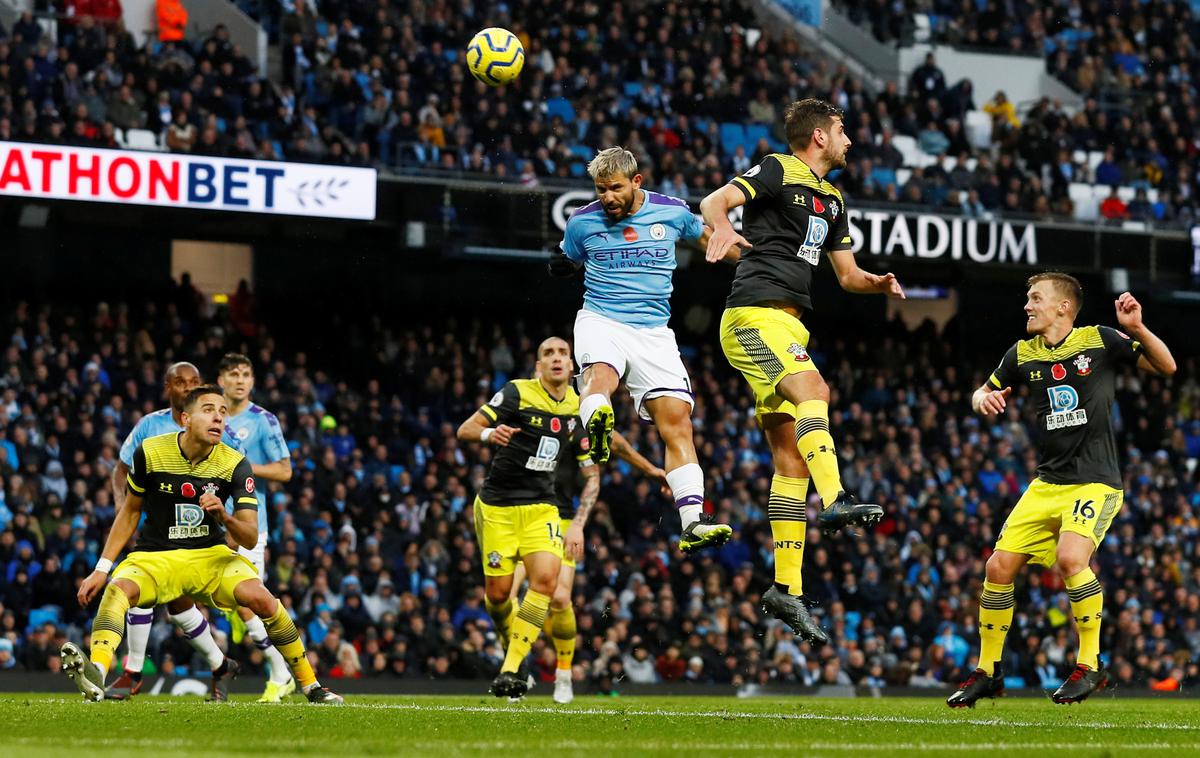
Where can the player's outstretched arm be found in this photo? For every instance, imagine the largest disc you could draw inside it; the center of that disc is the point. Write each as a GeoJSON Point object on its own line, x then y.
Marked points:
{"type": "Point", "coordinates": [990, 402]}
{"type": "Point", "coordinates": [573, 539]}
{"type": "Point", "coordinates": [119, 474]}
{"type": "Point", "coordinates": [724, 243]}
{"type": "Point", "coordinates": [625, 451]}
{"type": "Point", "coordinates": [478, 428]}
{"type": "Point", "coordinates": [1156, 357]}
{"type": "Point", "coordinates": [854, 279]}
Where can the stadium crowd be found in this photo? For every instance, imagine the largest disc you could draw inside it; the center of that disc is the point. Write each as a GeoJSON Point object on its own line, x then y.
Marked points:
{"type": "Point", "coordinates": [372, 542]}
{"type": "Point", "coordinates": [695, 89]}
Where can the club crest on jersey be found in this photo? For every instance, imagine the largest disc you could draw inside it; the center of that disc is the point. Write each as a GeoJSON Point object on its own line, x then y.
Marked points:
{"type": "Point", "coordinates": [1058, 372]}
{"type": "Point", "coordinates": [834, 209]}
{"type": "Point", "coordinates": [630, 234]}
{"type": "Point", "coordinates": [658, 232]}
{"type": "Point", "coordinates": [798, 350]}
{"type": "Point", "coordinates": [187, 490]}
{"type": "Point", "coordinates": [210, 489]}
{"type": "Point", "coordinates": [555, 425]}
{"type": "Point", "coordinates": [494, 560]}
{"type": "Point", "coordinates": [1083, 365]}
{"type": "Point", "coordinates": [571, 425]}
{"type": "Point", "coordinates": [243, 433]}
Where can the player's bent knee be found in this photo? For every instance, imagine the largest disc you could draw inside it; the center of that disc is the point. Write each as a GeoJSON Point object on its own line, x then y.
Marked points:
{"type": "Point", "coordinates": [498, 589]}
{"type": "Point", "coordinates": [1001, 569]}
{"type": "Point", "coordinates": [131, 590]}
{"type": "Point", "coordinates": [561, 598]}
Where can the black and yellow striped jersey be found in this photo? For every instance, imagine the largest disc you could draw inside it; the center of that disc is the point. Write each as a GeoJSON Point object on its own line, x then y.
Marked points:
{"type": "Point", "coordinates": [524, 472]}
{"type": "Point", "coordinates": [791, 217]}
{"type": "Point", "coordinates": [171, 487]}
{"type": "Point", "coordinates": [1073, 385]}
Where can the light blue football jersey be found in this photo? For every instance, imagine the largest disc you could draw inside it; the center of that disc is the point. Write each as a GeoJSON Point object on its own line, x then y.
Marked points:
{"type": "Point", "coordinates": [262, 441]}
{"type": "Point", "coordinates": [628, 264]}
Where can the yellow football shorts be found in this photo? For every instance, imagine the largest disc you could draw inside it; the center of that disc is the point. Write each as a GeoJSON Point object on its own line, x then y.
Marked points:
{"type": "Point", "coordinates": [1046, 510]}
{"type": "Point", "coordinates": [507, 532]}
{"type": "Point", "coordinates": [765, 344]}
{"type": "Point", "coordinates": [207, 575]}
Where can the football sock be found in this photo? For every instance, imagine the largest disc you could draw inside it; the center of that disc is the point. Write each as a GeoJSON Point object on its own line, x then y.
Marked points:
{"type": "Point", "coordinates": [995, 617]}
{"type": "Point", "coordinates": [589, 404]}
{"type": "Point", "coordinates": [286, 640]}
{"type": "Point", "coordinates": [789, 520]}
{"type": "Point", "coordinates": [561, 627]}
{"type": "Point", "coordinates": [137, 637]}
{"type": "Point", "coordinates": [280, 673]}
{"type": "Point", "coordinates": [502, 618]}
{"type": "Point", "coordinates": [195, 628]}
{"type": "Point", "coordinates": [687, 484]}
{"type": "Point", "coordinates": [108, 627]}
{"type": "Point", "coordinates": [525, 629]}
{"type": "Point", "coordinates": [1087, 604]}
{"type": "Point", "coordinates": [816, 445]}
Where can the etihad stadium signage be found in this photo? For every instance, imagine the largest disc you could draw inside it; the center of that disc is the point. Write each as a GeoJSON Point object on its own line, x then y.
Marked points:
{"type": "Point", "coordinates": [912, 235]}
{"type": "Point", "coordinates": [175, 180]}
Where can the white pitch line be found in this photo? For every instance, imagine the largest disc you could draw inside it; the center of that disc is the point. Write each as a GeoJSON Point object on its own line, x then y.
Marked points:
{"type": "Point", "coordinates": [728, 715]}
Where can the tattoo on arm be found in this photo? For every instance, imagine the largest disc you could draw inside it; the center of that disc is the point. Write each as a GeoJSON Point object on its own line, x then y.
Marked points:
{"type": "Point", "coordinates": [587, 498]}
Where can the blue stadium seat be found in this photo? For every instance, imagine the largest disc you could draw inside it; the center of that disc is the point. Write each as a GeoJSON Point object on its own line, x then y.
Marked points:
{"type": "Point", "coordinates": [632, 88]}
{"type": "Point", "coordinates": [755, 132]}
{"type": "Point", "coordinates": [561, 107]}
{"type": "Point", "coordinates": [578, 170]}
{"type": "Point", "coordinates": [732, 135]}
{"type": "Point", "coordinates": [47, 614]}
{"type": "Point", "coordinates": [583, 151]}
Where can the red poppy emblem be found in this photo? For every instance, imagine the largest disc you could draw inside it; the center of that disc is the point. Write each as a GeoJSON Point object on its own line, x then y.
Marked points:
{"type": "Point", "coordinates": [630, 234]}
{"type": "Point", "coordinates": [818, 206]}
{"type": "Point", "coordinates": [187, 490]}
{"type": "Point", "coordinates": [1058, 372]}
{"type": "Point", "coordinates": [555, 425]}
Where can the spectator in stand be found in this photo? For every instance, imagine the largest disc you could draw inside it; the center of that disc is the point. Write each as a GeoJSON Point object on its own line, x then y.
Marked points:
{"type": "Point", "coordinates": [1113, 208]}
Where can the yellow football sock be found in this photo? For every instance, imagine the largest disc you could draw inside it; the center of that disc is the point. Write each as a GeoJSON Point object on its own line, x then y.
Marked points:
{"type": "Point", "coordinates": [789, 521]}
{"type": "Point", "coordinates": [286, 639]}
{"type": "Point", "coordinates": [108, 626]}
{"type": "Point", "coordinates": [502, 618]}
{"type": "Point", "coordinates": [1087, 605]}
{"type": "Point", "coordinates": [561, 623]}
{"type": "Point", "coordinates": [816, 445]}
{"type": "Point", "coordinates": [525, 629]}
{"type": "Point", "coordinates": [995, 617]}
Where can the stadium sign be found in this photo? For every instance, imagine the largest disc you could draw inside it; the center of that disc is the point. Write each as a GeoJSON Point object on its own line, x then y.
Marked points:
{"type": "Point", "coordinates": [926, 235]}
{"type": "Point", "coordinates": [57, 172]}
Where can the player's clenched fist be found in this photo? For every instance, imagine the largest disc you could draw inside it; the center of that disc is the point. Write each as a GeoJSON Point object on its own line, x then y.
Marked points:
{"type": "Point", "coordinates": [212, 504]}
{"type": "Point", "coordinates": [502, 435]}
{"type": "Point", "coordinates": [994, 402]}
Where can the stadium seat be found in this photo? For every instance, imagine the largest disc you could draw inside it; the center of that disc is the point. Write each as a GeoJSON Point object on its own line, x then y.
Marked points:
{"type": "Point", "coordinates": [632, 89]}
{"type": "Point", "coordinates": [583, 151]}
{"type": "Point", "coordinates": [1087, 208]}
{"type": "Point", "coordinates": [142, 139]}
{"type": "Point", "coordinates": [755, 132]}
{"type": "Point", "coordinates": [979, 129]}
{"type": "Point", "coordinates": [561, 107]}
{"type": "Point", "coordinates": [732, 135]}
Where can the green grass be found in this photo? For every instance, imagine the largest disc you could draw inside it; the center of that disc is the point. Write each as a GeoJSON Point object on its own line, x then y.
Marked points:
{"type": "Point", "coordinates": [40, 725]}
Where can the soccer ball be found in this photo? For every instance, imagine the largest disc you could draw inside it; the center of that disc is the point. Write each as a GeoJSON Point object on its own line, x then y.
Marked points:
{"type": "Point", "coordinates": [495, 56]}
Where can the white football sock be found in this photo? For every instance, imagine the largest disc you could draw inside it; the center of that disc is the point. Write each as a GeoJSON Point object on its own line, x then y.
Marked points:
{"type": "Point", "coordinates": [137, 637]}
{"type": "Point", "coordinates": [280, 673]}
{"type": "Point", "coordinates": [589, 404]}
{"type": "Point", "coordinates": [195, 627]}
{"type": "Point", "coordinates": [687, 484]}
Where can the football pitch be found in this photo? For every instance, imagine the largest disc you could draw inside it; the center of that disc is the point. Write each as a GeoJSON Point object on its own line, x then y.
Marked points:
{"type": "Point", "coordinates": [41, 725]}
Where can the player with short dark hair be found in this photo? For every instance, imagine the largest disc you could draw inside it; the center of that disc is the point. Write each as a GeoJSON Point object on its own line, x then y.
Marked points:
{"type": "Point", "coordinates": [792, 216]}
{"type": "Point", "coordinates": [1063, 516]}
{"type": "Point", "coordinates": [262, 441]}
{"type": "Point", "coordinates": [182, 481]}
{"type": "Point", "coordinates": [536, 429]}
{"type": "Point", "coordinates": [179, 380]}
